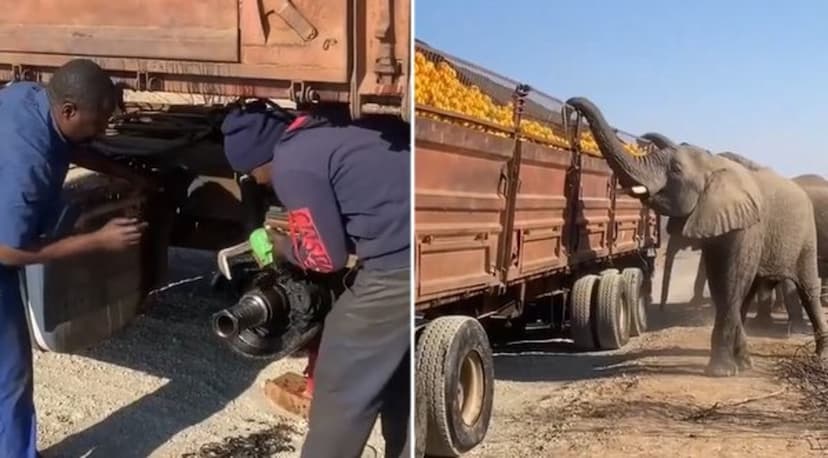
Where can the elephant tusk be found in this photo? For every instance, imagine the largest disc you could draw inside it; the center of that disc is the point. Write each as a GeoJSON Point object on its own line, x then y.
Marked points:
{"type": "Point", "coordinates": [638, 190]}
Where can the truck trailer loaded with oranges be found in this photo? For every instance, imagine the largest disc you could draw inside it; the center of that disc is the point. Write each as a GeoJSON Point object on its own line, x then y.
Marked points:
{"type": "Point", "coordinates": [520, 226]}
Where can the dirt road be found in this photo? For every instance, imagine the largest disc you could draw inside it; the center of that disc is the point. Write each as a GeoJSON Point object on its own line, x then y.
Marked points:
{"type": "Point", "coordinates": [651, 399]}
{"type": "Point", "coordinates": [165, 388]}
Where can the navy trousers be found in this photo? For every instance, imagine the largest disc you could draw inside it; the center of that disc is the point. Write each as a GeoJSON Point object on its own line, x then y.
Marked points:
{"type": "Point", "coordinates": [18, 430]}
{"type": "Point", "coordinates": [363, 370]}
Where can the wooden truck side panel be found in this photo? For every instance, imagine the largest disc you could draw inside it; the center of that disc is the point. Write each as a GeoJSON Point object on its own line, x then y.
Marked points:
{"type": "Point", "coordinates": [460, 207]}
{"type": "Point", "coordinates": [630, 224]}
{"type": "Point", "coordinates": [462, 203]}
{"type": "Point", "coordinates": [592, 213]}
{"type": "Point", "coordinates": [540, 207]}
{"type": "Point", "coordinates": [302, 50]}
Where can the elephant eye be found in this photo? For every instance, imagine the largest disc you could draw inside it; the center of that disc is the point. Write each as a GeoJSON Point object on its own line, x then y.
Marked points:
{"type": "Point", "coordinates": [675, 167]}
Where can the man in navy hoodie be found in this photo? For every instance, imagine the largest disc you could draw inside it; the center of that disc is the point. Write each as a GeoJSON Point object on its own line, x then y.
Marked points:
{"type": "Point", "coordinates": [345, 187]}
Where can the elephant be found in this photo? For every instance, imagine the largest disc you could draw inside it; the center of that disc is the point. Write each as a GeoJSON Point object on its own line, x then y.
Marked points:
{"type": "Point", "coordinates": [744, 220]}
{"type": "Point", "coordinates": [816, 187]}
{"type": "Point", "coordinates": [785, 293]}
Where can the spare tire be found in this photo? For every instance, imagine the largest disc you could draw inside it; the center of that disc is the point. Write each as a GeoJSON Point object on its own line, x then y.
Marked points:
{"type": "Point", "coordinates": [456, 374]}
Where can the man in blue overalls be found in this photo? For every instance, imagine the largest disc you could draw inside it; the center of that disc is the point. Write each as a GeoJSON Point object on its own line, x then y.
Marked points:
{"type": "Point", "coordinates": [40, 128]}
{"type": "Point", "coordinates": [344, 186]}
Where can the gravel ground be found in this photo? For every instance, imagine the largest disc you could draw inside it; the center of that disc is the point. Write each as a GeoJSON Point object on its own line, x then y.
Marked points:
{"type": "Point", "coordinates": [165, 387]}
{"type": "Point", "coordinates": [650, 398]}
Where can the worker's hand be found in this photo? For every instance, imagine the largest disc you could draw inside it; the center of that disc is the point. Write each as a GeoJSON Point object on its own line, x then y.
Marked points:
{"type": "Point", "coordinates": [119, 234]}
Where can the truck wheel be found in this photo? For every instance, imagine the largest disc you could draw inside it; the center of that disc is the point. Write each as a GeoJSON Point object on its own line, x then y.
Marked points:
{"type": "Point", "coordinates": [420, 405]}
{"type": "Point", "coordinates": [612, 323]}
{"type": "Point", "coordinates": [636, 302]}
{"type": "Point", "coordinates": [454, 363]}
{"type": "Point", "coordinates": [580, 312]}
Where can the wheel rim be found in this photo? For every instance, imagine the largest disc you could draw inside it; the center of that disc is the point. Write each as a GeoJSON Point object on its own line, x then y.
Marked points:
{"type": "Point", "coordinates": [470, 388]}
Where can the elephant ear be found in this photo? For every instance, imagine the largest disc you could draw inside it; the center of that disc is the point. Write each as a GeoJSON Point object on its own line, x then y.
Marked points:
{"type": "Point", "coordinates": [730, 201]}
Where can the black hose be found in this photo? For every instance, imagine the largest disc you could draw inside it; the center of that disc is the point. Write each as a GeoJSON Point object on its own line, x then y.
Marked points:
{"type": "Point", "coordinates": [166, 146]}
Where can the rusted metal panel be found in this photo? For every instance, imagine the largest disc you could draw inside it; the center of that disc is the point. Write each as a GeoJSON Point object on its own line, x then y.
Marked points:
{"type": "Point", "coordinates": [169, 29]}
{"type": "Point", "coordinates": [459, 205]}
{"type": "Point", "coordinates": [217, 45]}
{"type": "Point", "coordinates": [592, 211]}
{"type": "Point", "coordinates": [309, 34]}
{"type": "Point", "coordinates": [353, 51]}
{"type": "Point", "coordinates": [539, 211]}
{"type": "Point", "coordinates": [629, 221]}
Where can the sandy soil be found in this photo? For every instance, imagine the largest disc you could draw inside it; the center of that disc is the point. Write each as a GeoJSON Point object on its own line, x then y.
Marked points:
{"type": "Point", "coordinates": [165, 387]}
{"type": "Point", "coordinates": [651, 398]}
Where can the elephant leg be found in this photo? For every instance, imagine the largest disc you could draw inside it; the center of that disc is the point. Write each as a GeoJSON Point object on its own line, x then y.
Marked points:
{"type": "Point", "coordinates": [699, 282]}
{"type": "Point", "coordinates": [764, 304]}
{"type": "Point", "coordinates": [779, 303]}
{"type": "Point", "coordinates": [809, 288]}
{"type": "Point", "coordinates": [740, 348]}
{"type": "Point", "coordinates": [794, 306]}
{"type": "Point", "coordinates": [731, 282]}
{"type": "Point", "coordinates": [673, 247]}
{"type": "Point", "coordinates": [759, 292]}
{"type": "Point", "coordinates": [824, 292]}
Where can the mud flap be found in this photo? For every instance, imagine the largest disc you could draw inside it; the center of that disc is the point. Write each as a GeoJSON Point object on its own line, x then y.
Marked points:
{"type": "Point", "coordinates": [76, 303]}
{"type": "Point", "coordinates": [73, 305]}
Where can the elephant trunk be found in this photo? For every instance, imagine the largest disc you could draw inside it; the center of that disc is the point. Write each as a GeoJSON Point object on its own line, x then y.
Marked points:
{"type": "Point", "coordinates": [647, 171]}
{"type": "Point", "coordinates": [659, 140]}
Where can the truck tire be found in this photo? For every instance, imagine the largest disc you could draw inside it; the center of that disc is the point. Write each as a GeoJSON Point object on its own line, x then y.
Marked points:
{"type": "Point", "coordinates": [456, 372]}
{"type": "Point", "coordinates": [636, 301]}
{"type": "Point", "coordinates": [420, 404]}
{"type": "Point", "coordinates": [581, 303]}
{"type": "Point", "coordinates": [612, 322]}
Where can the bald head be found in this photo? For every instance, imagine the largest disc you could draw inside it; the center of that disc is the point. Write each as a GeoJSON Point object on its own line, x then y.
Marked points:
{"type": "Point", "coordinates": [83, 98]}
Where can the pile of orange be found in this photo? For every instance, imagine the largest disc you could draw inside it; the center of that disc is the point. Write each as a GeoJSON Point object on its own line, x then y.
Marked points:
{"type": "Point", "coordinates": [438, 86]}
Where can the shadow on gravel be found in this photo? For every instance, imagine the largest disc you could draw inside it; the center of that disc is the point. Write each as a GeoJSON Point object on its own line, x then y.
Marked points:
{"type": "Point", "coordinates": [544, 359]}
{"type": "Point", "coordinates": [173, 342]}
{"type": "Point", "coordinates": [679, 314]}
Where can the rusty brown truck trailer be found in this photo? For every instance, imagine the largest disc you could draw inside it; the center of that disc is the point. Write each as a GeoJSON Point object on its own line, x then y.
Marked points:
{"type": "Point", "coordinates": [182, 61]}
{"type": "Point", "coordinates": [514, 230]}
{"type": "Point", "coordinates": [353, 52]}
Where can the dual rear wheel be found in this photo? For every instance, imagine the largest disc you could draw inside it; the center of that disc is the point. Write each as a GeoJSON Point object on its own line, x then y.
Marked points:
{"type": "Point", "coordinates": [606, 309]}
